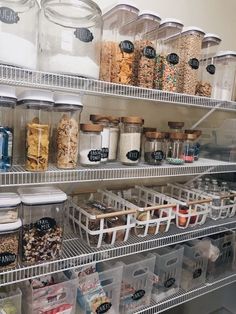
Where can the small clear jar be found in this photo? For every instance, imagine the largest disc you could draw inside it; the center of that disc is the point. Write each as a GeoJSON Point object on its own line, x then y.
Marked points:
{"type": "Point", "coordinates": [143, 138]}
{"type": "Point", "coordinates": [19, 41]}
{"type": "Point", "coordinates": [188, 153]}
{"type": "Point", "coordinates": [130, 140]}
{"type": "Point", "coordinates": [167, 145]}
{"type": "Point", "coordinates": [177, 148]}
{"type": "Point", "coordinates": [7, 105]}
{"type": "Point", "coordinates": [34, 121]}
{"type": "Point", "coordinates": [9, 207]}
{"type": "Point", "coordinates": [176, 127]}
{"type": "Point", "coordinates": [90, 151]}
{"type": "Point", "coordinates": [154, 149]}
{"type": "Point", "coordinates": [66, 112]}
{"type": "Point", "coordinates": [196, 144]}
{"type": "Point", "coordinates": [105, 122]}
{"type": "Point", "coordinates": [114, 138]}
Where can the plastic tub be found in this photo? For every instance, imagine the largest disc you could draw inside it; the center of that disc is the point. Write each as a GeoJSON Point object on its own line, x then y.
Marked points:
{"type": "Point", "coordinates": [9, 207]}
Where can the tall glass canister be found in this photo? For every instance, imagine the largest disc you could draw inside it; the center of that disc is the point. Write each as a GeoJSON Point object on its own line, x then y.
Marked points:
{"type": "Point", "coordinates": [70, 37]}
{"type": "Point", "coordinates": [114, 137]}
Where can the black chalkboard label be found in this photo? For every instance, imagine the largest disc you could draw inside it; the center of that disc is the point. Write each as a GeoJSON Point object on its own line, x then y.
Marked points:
{"type": "Point", "coordinates": [172, 58]}
{"type": "Point", "coordinates": [7, 258]}
{"type": "Point", "coordinates": [138, 295]}
{"type": "Point", "coordinates": [84, 34]}
{"type": "Point", "coordinates": [149, 52]}
{"type": "Point", "coordinates": [169, 283]}
{"type": "Point", "coordinates": [103, 308]}
{"type": "Point", "coordinates": [45, 224]}
{"type": "Point", "coordinates": [133, 155]}
{"type": "Point", "coordinates": [127, 46]}
{"type": "Point", "coordinates": [158, 155]}
{"type": "Point", "coordinates": [197, 273]}
{"type": "Point", "coordinates": [194, 63]}
{"type": "Point", "coordinates": [105, 152]}
{"type": "Point", "coordinates": [8, 15]}
{"type": "Point", "coordinates": [211, 69]}
{"type": "Point", "coordinates": [94, 155]}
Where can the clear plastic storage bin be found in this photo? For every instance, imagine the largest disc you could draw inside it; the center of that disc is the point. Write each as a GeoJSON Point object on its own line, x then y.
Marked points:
{"type": "Point", "coordinates": [70, 37]}
{"type": "Point", "coordinates": [194, 266]}
{"type": "Point", "coordinates": [18, 40]}
{"type": "Point", "coordinates": [10, 300]}
{"type": "Point", "coordinates": [101, 219]}
{"type": "Point", "coordinates": [168, 269]}
{"type": "Point", "coordinates": [7, 105]}
{"type": "Point", "coordinates": [9, 207]}
{"type": "Point", "coordinates": [43, 222]}
{"type": "Point", "coordinates": [117, 54]}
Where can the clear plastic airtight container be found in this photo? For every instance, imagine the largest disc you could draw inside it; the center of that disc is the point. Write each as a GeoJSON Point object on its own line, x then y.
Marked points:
{"type": "Point", "coordinates": [117, 55]}
{"type": "Point", "coordinates": [207, 71]}
{"type": "Point", "coordinates": [43, 221]}
{"type": "Point", "coordinates": [9, 207]}
{"type": "Point", "coordinates": [70, 37]}
{"type": "Point", "coordinates": [225, 62]}
{"type": "Point", "coordinates": [18, 40]}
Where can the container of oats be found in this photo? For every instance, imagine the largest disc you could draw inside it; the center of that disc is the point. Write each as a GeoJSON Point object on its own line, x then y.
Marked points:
{"type": "Point", "coordinates": [189, 59]}
{"type": "Point", "coordinates": [9, 244]}
{"type": "Point", "coordinates": [117, 53]}
{"type": "Point", "coordinates": [43, 220]}
{"type": "Point", "coordinates": [67, 111]}
{"type": "Point", "coordinates": [34, 123]}
{"type": "Point", "coordinates": [207, 71]}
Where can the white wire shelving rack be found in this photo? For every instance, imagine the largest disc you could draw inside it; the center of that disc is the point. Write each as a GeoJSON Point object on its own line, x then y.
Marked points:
{"type": "Point", "coordinates": [114, 171]}
{"type": "Point", "coordinates": [77, 253]}
{"type": "Point", "coordinates": [58, 82]}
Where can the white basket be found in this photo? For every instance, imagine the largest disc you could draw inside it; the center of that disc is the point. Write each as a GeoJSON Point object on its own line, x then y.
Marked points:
{"type": "Point", "coordinates": [81, 222]}
{"type": "Point", "coordinates": [190, 209]}
{"type": "Point", "coordinates": [146, 203]}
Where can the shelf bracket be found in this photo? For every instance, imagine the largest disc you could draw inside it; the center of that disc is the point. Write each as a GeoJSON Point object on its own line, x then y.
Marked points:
{"type": "Point", "coordinates": [206, 116]}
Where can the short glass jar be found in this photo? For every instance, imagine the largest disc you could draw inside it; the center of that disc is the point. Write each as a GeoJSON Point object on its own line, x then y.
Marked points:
{"type": "Point", "coordinates": [34, 121]}
{"type": "Point", "coordinates": [114, 138]}
{"type": "Point", "coordinates": [105, 122]}
{"type": "Point", "coordinates": [196, 144]}
{"type": "Point", "coordinates": [7, 105]}
{"type": "Point", "coordinates": [188, 153]}
{"type": "Point", "coordinates": [67, 111]}
{"type": "Point", "coordinates": [143, 138]}
{"type": "Point", "coordinates": [177, 148]}
{"type": "Point", "coordinates": [90, 144]}
{"type": "Point", "coordinates": [130, 140]}
{"type": "Point", "coordinates": [154, 148]}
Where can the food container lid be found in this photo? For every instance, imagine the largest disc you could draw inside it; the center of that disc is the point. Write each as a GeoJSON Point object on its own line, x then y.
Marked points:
{"type": "Point", "coordinates": [193, 29]}
{"type": "Point", "coordinates": [148, 129]}
{"type": "Point", "coordinates": [37, 95]}
{"type": "Point", "coordinates": [226, 54]}
{"type": "Point", "coordinates": [119, 6]}
{"type": "Point", "coordinates": [99, 118]}
{"type": "Point", "coordinates": [135, 120]}
{"type": "Point", "coordinates": [67, 99]}
{"type": "Point", "coordinates": [196, 132]}
{"type": "Point", "coordinates": [89, 127]}
{"type": "Point", "coordinates": [9, 199]}
{"type": "Point", "coordinates": [42, 195]}
{"type": "Point", "coordinates": [178, 136]}
{"type": "Point", "coordinates": [114, 119]}
{"type": "Point", "coordinates": [7, 91]}
{"type": "Point", "coordinates": [210, 40]}
{"type": "Point", "coordinates": [147, 14]}
{"type": "Point", "coordinates": [155, 135]}
{"type": "Point", "coordinates": [171, 22]}
{"type": "Point", "coordinates": [175, 125]}
{"type": "Point", "coordinates": [11, 226]}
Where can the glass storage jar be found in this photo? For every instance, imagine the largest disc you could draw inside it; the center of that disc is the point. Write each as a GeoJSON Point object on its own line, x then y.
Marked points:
{"type": "Point", "coordinates": [130, 140]}
{"type": "Point", "coordinates": [34, 121]}
{"type": "Point", "coordinates": [43, 221]}
{"type": "Point", "coordinates": [18, 40]}
{"type": "Point", "coordinates": [117, 52]}
{"type": "Point", "coordinates": [225, 62]}
{"type": "Point", "coordinates": [9, 244]}
{"type": "Point", "coordinates": [196, 144]}
{"type": "Point", "coordinates": [9, 207]}
{"type": "Point", "coordinates": [176, 126]}
{"type": "Point", "coordinates": [105, 122]}
{"type": "Point", "coordinates": [90, 152]}
{"type": "Point", "coordinates": [144, 48]}
{"type": "Point", "coordinates": [207, 70]}
{"type": "Point", "coordinates": [189, 53]}
{"type": "Point", "coordinates": [114, 137]}
{"type": "Point", "coordinates": [188, 153]}
{"type": "Point", "coordinates": [177, 148]}
{"type": "Point", "coordinates": [67, 111]}
{"type": "Point", "coordinates": [154, 150]}
{"type": "Point", "coordinates": [167, 59]}
{"type": "Point", "coordinates": [70, 37]}
{"type": "Point", "coordinates": [7, 105]}
{"type": "Point", "coordinates": [143, 138]}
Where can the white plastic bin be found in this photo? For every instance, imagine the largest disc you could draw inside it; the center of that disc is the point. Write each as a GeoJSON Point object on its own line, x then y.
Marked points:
{"type": "Point", "coordinates": [10, 299]}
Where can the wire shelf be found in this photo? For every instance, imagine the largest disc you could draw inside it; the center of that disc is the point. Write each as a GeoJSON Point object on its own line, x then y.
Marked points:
{"type": "Point", "coordinates": [77, 253]}
{"type": "Point", "coordinates": [45, 80]}
{"type": "Point", "coordinates": [113, 171]}
{"type": "Point", "coordinates": [183, 296]}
